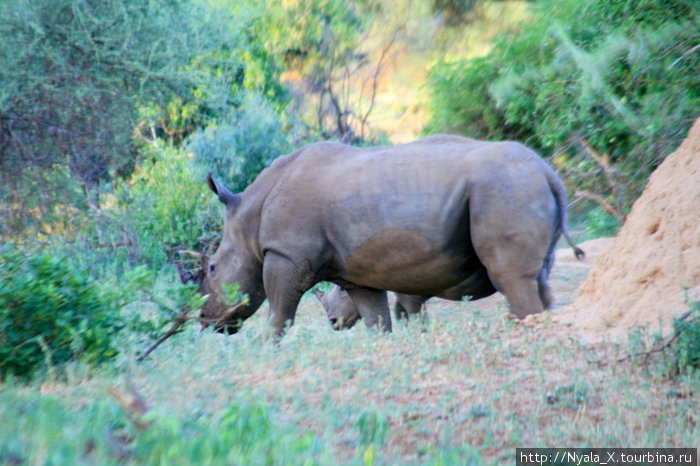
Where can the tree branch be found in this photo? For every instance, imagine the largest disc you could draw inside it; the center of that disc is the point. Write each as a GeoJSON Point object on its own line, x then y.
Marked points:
{"type": "Point", "coordinates": [604, 203]}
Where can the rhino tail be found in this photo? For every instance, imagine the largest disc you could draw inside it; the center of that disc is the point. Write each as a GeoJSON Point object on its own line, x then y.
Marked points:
{"type": "Point", "coordinates": [559, 191]}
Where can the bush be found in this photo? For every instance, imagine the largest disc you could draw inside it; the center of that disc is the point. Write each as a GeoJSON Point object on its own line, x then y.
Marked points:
{"type": "Point", "coordinates": [600, 223]}
{"type": "Point", "coordinates": [242, 434]}
{"type": "Point", "coordinates": [610, 88]}
{"type": "Point", "coordinates": [236, 151]}
{"type": "Point", "coordinates": [50, 312]}
{"type": "Point", "coordinates": [84, 82]}
{"type": "Point", "coordinates": [686, 349]}
{"type": "Point", "coordinates": [164, 208]}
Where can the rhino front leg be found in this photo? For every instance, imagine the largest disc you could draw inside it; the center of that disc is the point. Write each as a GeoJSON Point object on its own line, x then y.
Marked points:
{"type": "Point", "coordinates": [408, 305]}
{"type": "Point", "coordinates": [284, 286]}
{"type": "Point", "coordinates": [373, 307]}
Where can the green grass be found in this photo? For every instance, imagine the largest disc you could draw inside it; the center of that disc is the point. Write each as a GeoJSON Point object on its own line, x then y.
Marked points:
{"type": "Point", "coordinates": [469, 390]}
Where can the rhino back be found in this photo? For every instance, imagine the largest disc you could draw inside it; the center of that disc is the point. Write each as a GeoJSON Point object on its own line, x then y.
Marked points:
{"type": "Point", "coordinates": [398, 217]}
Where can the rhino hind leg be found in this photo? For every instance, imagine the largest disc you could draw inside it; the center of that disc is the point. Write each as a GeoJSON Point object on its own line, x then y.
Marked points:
{"type": "Point", "coordinates": [543, 288]}
{"type": "Point", "coordinates": [408, 305]}
{"type": "Point", "coordinates": [545, 292]}
{"type": "Point", "coordinates": [515, 270]}
{"type": "Point", "coordinates": [522, 293]}
{"type": "Point", "coordinates": [373, 306]}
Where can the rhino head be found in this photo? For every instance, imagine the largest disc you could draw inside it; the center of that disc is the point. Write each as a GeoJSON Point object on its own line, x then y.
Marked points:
{"type": "Point", "coordinates": [233, 262]}
{"type": "Point", "coordinates": [340, 309]}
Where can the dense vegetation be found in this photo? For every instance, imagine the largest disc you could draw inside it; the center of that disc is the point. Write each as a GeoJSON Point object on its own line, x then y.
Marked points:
{"type": "Point", "coordinates": [608, 88]}
{"type": "Point", "coordinates": [112, 113]}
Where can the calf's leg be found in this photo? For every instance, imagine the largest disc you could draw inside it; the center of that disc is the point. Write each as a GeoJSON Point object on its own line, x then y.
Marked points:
{"type": "Point", "coordinates": [373, 307]}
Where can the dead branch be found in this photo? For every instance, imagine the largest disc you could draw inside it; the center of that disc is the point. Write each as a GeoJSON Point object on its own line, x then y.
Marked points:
{"type": "Point", "coordinates": [601, 159]}
{"type": "Point", "coordinates": [383, 57]}
{"type": "Point", "coordinates": [688, 52]}
{"type": "Point", "coordinates": [616, 186]}
{"type": "Point", "coordinates": [187, 252]}
{"type": "Point", "coordinates": [174, 329]}
{"type": "Point", "coordinates": [339, 111]}
{"type": "Point", "coordinates": [606, 205]}
{"type": "Point", "coordinates": [660, 349]}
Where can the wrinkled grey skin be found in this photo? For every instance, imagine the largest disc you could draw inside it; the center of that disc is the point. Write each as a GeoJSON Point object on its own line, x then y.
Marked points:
{"type": "Point", "coordinates": [442, 216]}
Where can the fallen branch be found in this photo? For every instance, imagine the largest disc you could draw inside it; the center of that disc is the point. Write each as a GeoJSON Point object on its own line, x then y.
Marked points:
{"type": "Point", "coordinates": [176, 328]}
{"type": "Point", "coordinates": [660, 349]}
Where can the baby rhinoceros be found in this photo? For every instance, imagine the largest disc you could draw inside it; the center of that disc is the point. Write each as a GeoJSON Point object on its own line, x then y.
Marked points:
{"type": "Point", "coordinates": [343, 313]}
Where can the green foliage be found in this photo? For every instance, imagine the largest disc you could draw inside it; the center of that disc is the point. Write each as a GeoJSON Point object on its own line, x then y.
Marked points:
{"type": "Point", "coordinates": [236, 151]}
{"type": "Point", "coordinates": [85, 82]}
{"type": "Point", "coordinates": [221, 77]}
{"type": "Point", "coordinates": [41, 430]}
{"type": "Point", "coordinates": [322, 45]}
{"type": "Point", "coordinates": [455, 11]}
{"type": "Point", "coordinates": [35, 204]}
{"type": "Point", "coordinates": [232, 294]}
{"type": "Point", "coordinates": [163, 209]}
{"type": "Point", "coordinates": [302, 31]}
{"type": "Point", "coordinates": [51, 312]}
{"type": "Point", "coordinates": [167, 298]}
{"type": "Point", "coordinates": [372, 427]}
{"type": "Point", "coordinates": [600, 223]}
{"type": "Point", "coordinates": [686, 349]}
{"type": "Point", "coordinates": [74, 71]}
{"type": "Point", "coordinates": [468, 112]}
{"type": "Point", "coordinates": [243, 433]}
{"type": "Point", "coordinates": [609, 88]}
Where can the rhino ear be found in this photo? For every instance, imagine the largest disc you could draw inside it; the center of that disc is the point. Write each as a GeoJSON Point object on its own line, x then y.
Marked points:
{"type": "Point", "coordinates": [225, 196]}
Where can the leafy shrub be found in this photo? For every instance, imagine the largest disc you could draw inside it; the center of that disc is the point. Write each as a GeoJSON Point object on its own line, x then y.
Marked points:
{"type": "Point", "coordinates": [609, 87]}
{"type": "Point", "coordinates": [49, 311]}
{"type": "Point", "coordinates": [52, 312]}
{"type": "Point", "coordinates": [687, 346]}
{"type": "Point", "coordinates": [108, 76]}
{"type": "Point", "coordinates": [236, 151]}
{"type": "Point", "coordinates": [242, 434]}
{"type": "Point", "coordinates": [165, 207]}
{"type": "Point", "coordinates": [600, 223]}
{"type": "Point", "coordinates": [455, 11]}
{"type": "Point", "coordinates": [372, 427]}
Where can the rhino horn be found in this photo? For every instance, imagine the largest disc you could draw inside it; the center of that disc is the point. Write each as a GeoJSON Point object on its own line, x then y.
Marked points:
{"type": "Point", "coordinates": [225, 196]}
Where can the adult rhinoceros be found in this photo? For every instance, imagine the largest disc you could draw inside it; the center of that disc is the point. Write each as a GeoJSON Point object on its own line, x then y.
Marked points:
{"type": "Point", "coordinates": [439, 214]}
